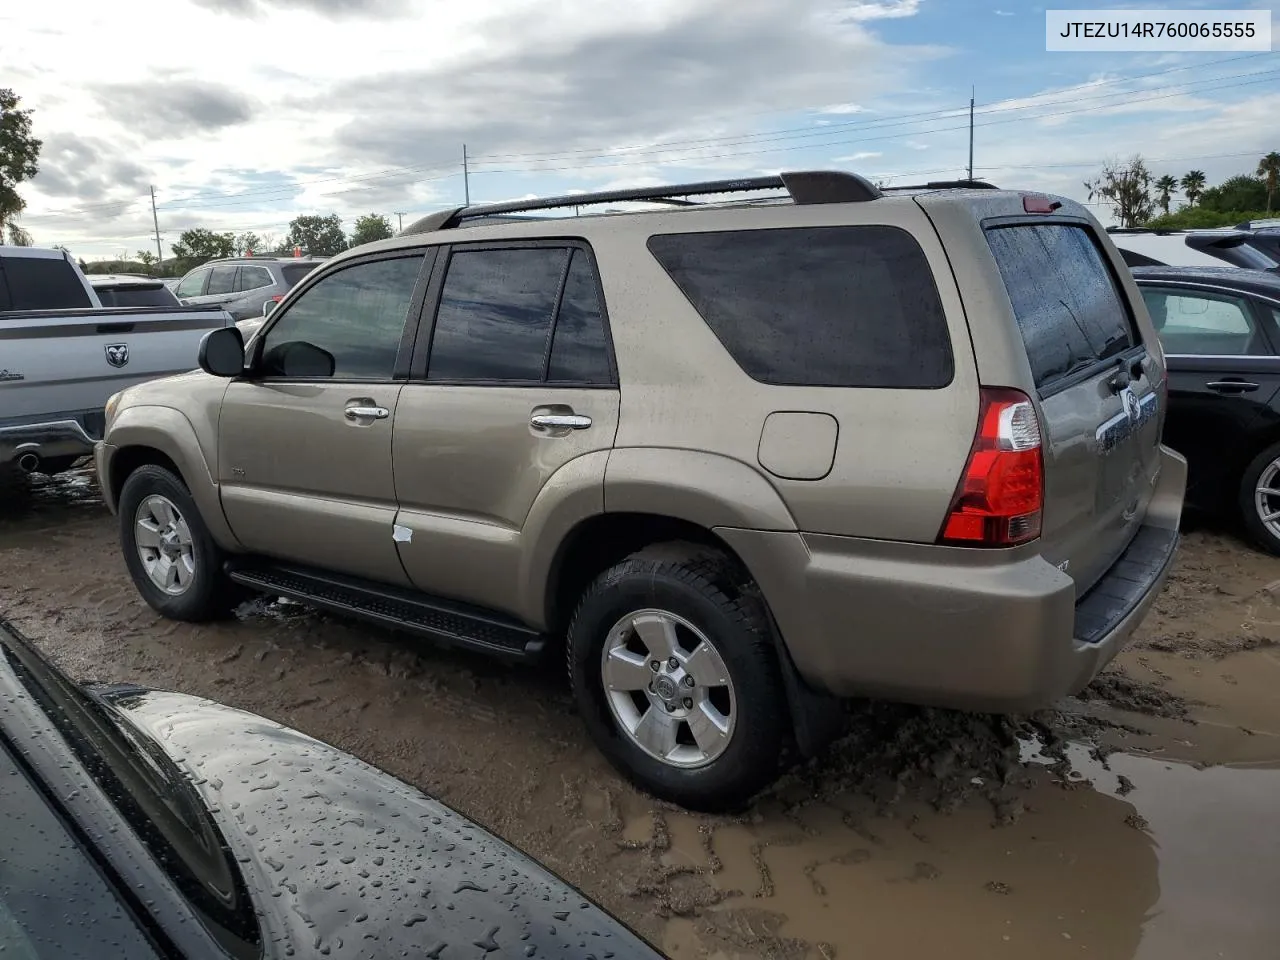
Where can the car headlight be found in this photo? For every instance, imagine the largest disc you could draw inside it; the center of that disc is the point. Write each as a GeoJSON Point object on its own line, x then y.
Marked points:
{"type": "Point", "coordinates": [113, 401]}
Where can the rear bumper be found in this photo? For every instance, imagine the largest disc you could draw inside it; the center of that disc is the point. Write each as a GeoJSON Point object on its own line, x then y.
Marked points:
{"type": "Point", "coordinates": [53, 438]}
{"type": "Point", "coordinates": [999, 631]}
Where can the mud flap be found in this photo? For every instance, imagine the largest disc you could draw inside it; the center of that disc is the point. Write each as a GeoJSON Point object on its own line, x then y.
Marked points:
{"type": "Point", "coordinates": [819, 718]}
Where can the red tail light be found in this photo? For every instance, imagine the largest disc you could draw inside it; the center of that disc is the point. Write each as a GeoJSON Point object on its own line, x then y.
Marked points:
{"type": "Point", "coordinates": [1000, 499]}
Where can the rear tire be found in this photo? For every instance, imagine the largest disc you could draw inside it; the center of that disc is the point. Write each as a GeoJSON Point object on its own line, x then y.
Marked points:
{"type": "Point", "coordinates": [1262, 474]}
{"type": "Point", "coordinates": [706, 728]}
{"type": "Point", "coordinates": [173, 560]}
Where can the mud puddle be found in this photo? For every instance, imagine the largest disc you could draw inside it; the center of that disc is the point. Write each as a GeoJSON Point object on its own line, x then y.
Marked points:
{"type": "Point", "coordinates": [1138, 821]}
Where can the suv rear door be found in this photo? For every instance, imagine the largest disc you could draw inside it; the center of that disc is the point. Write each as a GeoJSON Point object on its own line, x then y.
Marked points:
{"type": "Point", "coordinates": [519, 392]}
{"type": "Point", "coordinates": [1096, 383]}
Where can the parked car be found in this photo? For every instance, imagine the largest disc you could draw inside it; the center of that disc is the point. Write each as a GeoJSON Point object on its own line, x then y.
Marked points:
{"type": "Point", "coordinates": [734, 460]}
{"type": "Point", "coordinates": [244, 286]}
{"type": "Point", "coordinates": [117, 290]}
{"type": "Point", "coordinates": [63, 353]}
{"type": "Point", "coordinates": [1221, 333]}
{"type": "Point", "coordinates": [145, 824]}
{"type": "Point", "coordinates": [1194, 248]}
{"type": "Point", "coordinates": [171, 282]}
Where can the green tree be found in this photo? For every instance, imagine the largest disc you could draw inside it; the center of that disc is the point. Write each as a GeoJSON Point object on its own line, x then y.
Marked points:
{"type": "Point", "coordinates": [316, 235]}
{"type": "Point", "coordinates": [1126, 187]}
{"type": "Point", "coordinates": [1165, 188]}
{"type": "Point", "coordinates": [1269, 171]}
{"type": "Point", "coordinates": [373, 226]}
{"type": "Point", "coordinates": [1241, 192]}
{"type": "Point", "coordinates": [1193, 186]}
{"type": "Point", "coordinates": [248, 243]}
{"type": "Point", "coordinates": [19, 155]}
{"type": "Point", "coordinates": [17, 236]}
{"type": "Point", "coordinates": [146, 258]}
{"type": "Point", "coordinates": [194, 247]}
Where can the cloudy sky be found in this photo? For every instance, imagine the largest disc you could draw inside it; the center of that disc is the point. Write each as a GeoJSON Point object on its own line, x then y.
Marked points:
{"type": "Point", "coordinates": [245, 113]}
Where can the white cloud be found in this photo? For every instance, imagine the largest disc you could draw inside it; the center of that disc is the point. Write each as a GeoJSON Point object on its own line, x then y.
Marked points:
{"type": "Point", "coordinates": [887, 9]}
{"type": "Point", "coordinates": [1004, 13]}
{"type": "Point", "coordinates": [855, 157]}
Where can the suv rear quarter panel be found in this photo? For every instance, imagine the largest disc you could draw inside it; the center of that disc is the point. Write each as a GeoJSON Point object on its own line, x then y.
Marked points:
{"type": "Point", "coordinates": [898, 452]}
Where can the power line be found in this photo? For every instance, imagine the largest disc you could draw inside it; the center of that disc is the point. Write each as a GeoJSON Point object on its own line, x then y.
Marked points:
{"type": "Point", "coordinates": [806, 133]}
{"type": "Point", "coordinates": [285, 191]}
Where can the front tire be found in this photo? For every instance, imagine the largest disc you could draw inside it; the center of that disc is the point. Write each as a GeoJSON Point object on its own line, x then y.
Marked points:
{"type": "Point", "coordinates": [173, 560]}
{"type": "Point", "coordinates": [673, 666]}
{"type": "Point", "coordinates": [1259, 499]}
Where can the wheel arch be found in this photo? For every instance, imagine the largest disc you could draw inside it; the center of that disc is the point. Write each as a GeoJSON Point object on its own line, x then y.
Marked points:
{"type": "Point", "coordinates": [164, 437]}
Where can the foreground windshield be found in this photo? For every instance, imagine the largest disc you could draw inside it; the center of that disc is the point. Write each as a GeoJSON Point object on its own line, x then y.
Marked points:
{"type": "Point", "coordinates": [54, 902]}
{"type": "Point", "coordinates": [152, 794]}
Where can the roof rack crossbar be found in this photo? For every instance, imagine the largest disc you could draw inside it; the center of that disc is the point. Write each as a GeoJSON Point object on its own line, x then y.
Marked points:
{"type": "Point", "coordinates": [805, 187]}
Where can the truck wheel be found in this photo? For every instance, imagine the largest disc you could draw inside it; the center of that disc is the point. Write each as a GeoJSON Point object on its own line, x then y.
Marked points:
{"type": "Point", "coordinates": [171, 556]}
{"type": "Point", "coordinates": [1260, 499]}
{"type": "Point", "coordinates": [673, 666]}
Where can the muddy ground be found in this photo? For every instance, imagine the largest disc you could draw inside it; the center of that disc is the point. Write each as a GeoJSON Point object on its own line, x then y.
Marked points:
{"type": "Point", "coordinates": [1140, 820]}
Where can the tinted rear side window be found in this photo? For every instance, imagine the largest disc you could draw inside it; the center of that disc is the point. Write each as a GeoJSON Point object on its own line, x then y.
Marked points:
{"type": "Point", "coordinates": [41, 283]}
{"type": "Point", "coordinates": [1069, 309]}
{"type": "Point", "coordinates": [295, 272]}
{"type": "Point", "coordinates": [817, 306]}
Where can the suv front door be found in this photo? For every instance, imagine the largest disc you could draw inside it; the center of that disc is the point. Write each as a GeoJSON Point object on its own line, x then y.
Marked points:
{"type": "Point", "coordinates": [519, 392]}
{"type": "Point", "coordinates": [305, 441]}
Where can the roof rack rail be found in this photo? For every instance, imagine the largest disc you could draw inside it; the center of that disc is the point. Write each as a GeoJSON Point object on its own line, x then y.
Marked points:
{"type": "Point", "coordinates": [804, 187]}
{"type": "Point", "coordinates": [947, 185]}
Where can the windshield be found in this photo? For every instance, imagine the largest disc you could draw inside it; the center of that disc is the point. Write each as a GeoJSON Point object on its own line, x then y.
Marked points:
{"type": "Point", "coordinates": [43, 864]}
{"type": "Point", "coordinates": [150, 792]}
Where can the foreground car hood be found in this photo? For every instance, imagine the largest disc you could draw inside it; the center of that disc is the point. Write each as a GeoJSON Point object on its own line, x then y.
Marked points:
{"type": "Point", "coordinates": [343, 860]}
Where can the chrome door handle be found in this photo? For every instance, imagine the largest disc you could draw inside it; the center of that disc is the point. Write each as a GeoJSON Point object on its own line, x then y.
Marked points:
{"type": "Point", "coordinates": [560, 421]}
{"type": "Point", "coordinates": [1232, 386]}
{"type": "Point", "coordinates": [367, 413]}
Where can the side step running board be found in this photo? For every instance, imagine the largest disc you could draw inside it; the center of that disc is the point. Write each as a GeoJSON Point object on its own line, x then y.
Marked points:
{"type": "Point", "coordinates": [446, 621]}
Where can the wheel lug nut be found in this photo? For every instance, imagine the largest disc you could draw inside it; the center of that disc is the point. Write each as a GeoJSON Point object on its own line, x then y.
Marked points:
{"type": "Point", "coordinates": [655, 666]}
{"type": "Point", "coordinates": [673, 663]}
{"type": "Point", "coordinates": [688, 703]}
{"type": "Point", "coordinates": [670, 708]}
{"type": "Point", "coordinates": [689, 681]}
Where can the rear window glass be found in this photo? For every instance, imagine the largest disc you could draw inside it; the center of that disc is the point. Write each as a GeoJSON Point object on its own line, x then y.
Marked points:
{"type": "Point", "coordinates": [817, 306]}
{"type": "Point", "coordinates": [43, 283]}
{"type": "Point", "coordinates": [157, 296]}
{"type": "Point", "coordinates": [296, 271]}
{"type": "Point", "coordinates": [1069, 310]}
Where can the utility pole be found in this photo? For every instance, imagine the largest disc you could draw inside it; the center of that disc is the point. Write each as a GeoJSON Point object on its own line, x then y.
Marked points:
{"type": "Point", "coordinates": [466, 177]}
{"type": "Point", "coordinates": [973, 92]}
{"type": "Point", "coordinates": [156, 220]}
{"type": "Point", "coordinates": [400, 217]}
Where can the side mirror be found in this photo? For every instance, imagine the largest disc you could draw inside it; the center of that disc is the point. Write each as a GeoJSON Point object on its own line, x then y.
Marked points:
{"type": "Point", "coordinates": [222, 352]}
{"type": "Point", "coordinates": [297, 358]}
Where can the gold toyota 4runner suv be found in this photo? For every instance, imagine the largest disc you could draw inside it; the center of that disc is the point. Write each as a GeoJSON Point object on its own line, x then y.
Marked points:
{"type": "Point", "coordinates": [757, 447]}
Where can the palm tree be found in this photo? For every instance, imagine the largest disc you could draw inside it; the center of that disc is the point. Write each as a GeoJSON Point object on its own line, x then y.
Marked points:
{"type": "Point", "coordinates": [1193, 186]}
{"type": "Point", "coordinates": [1269, 170]}
{"type": "Point", "coordinates": [1166, 187]}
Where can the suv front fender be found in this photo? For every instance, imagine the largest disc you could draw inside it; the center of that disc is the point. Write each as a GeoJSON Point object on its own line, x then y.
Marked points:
{"type": "Point", "coordinates": [166, 431]}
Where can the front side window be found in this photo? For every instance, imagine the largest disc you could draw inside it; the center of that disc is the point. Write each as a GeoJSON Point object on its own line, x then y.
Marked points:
{"type": "Point", "coordinates": [817, 306]}
{"type": "Point", "coordinates": [347, 326]}
{"type": "Point", "coordinates": [1202, 324]}
{"type": "Point", "coordinates": [192, 285]}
